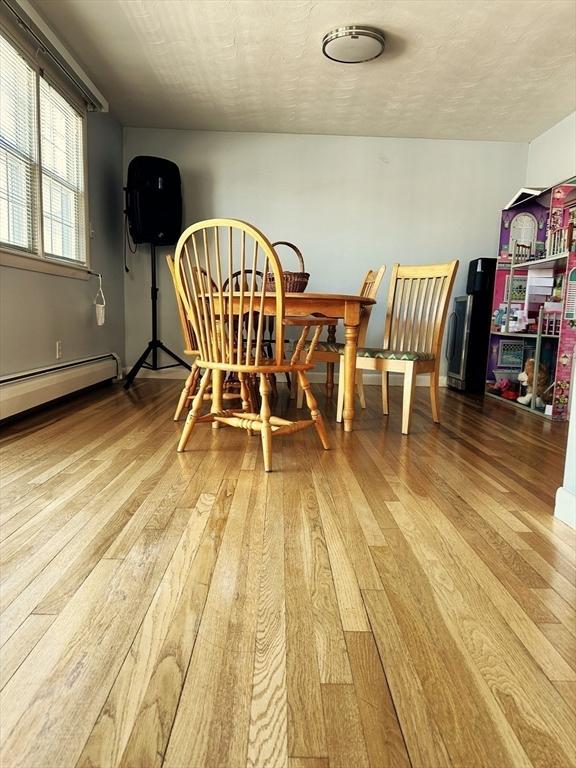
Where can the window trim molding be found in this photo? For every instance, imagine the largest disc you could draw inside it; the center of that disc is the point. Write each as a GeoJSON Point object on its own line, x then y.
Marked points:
{"type": "Point", "coordinates": [40, 261]}
{"type": "Point", "coordinates": [50, 266]}
{"type": "Point", "coordinates": [25, 24]}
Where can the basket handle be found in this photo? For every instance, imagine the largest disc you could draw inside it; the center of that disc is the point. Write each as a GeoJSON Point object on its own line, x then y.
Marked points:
{"type": "Point", "coordinates": [296, 250]}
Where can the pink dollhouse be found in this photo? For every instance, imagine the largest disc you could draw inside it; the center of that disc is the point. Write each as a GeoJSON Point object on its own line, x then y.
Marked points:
{"type": "Point", "coordinates": [533, 332]}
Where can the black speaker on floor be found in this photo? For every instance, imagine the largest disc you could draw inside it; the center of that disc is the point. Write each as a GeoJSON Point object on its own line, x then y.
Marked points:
{"type": "Point", "coordinates": [154, 200]}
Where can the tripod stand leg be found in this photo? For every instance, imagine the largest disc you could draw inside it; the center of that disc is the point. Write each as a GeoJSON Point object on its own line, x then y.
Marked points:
{"type": "Point", "coordinates": [131, 375]}
{"type": "Point", "coordinates": [173, 355]}
{"type": "Point", "coordinates": [155, 344]}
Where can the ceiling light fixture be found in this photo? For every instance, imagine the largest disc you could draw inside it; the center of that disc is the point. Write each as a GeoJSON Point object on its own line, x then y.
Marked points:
{"type": "Point", "coordinates": [353, 44]}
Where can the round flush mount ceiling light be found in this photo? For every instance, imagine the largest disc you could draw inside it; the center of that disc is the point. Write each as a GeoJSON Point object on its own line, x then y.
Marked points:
{"type": "Point", "coordinates": [353, 44]}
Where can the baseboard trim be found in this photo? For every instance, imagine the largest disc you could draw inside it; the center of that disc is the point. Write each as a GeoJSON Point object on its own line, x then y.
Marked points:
{"type": "Point", "coordinates": [565, 509]}
{"type": "Point", "coordinates": [318, 377]}
{"type": "Point", "coordinates": [22, 391]}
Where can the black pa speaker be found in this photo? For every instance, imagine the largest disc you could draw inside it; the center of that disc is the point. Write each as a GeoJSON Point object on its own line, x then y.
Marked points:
{"type": "Point", "coordinates": [154, 200]}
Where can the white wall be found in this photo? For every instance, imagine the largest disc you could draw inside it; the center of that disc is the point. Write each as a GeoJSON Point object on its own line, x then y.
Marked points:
{"type": "Point", "coordinates": [350, 203]}
{"type": "Point", "coordinates": [565, 508]}
{"type": "Point", "coordinates": [36, 309]}
{"type": "Point", "coordinates": [552, 155]}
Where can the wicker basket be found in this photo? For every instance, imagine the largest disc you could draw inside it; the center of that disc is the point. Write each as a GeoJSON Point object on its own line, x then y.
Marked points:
{"type": "Point", "coordinates": [294, 282]}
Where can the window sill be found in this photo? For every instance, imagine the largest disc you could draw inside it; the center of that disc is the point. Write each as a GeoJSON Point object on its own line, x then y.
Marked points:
{"type": "Point", "coordinates": [35, 264]}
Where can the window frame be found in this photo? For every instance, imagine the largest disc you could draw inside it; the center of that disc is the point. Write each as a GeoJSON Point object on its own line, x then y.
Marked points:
{"type": "Point", "coordinates": [39, 260]}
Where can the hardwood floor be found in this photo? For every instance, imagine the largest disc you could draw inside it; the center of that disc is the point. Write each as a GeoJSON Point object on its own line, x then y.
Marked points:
{"type": "Point", "coordinates": [395, 602]}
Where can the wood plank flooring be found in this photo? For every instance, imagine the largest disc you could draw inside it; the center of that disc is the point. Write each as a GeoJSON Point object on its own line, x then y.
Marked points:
{"type": "Point", "coordinates": [397, 602]}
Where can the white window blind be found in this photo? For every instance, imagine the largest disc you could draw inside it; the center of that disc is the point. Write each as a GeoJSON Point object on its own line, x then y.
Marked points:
{"type": "Point", "coordinates": [18, 150]}
{"type": "Point", "coordinates": [62, 175]}
{"type": "Point", "coordinates": [41, 167]}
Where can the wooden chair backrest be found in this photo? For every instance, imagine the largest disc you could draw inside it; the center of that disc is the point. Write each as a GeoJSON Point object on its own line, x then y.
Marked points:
{"type": "Point", "coordinates": [190, 344]}
{"type": "Point", "coordinates": [369, 289]}
{"type": "Point", "coordinates": [235, 279]}
{"type": "Point", "coordinates": [230, 252]}
{"type": "Point", "coordinates": [417, 307]}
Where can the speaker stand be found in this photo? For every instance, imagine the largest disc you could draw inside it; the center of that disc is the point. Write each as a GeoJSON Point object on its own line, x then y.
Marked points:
{"type": "Point", "coordinates": [154, 344]}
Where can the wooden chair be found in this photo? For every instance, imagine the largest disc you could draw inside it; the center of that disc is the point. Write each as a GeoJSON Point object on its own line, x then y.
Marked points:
{"type": "Point", "coordinates": [330, 351]}
{"type": "Point", "coordinates": [190, 347]}
{"type": "Point", "coordinates": [230, 388]}
{"type": "Point", "coordinates": [223, 247]}
{"type": "Point", "coordinates": [415, 320]}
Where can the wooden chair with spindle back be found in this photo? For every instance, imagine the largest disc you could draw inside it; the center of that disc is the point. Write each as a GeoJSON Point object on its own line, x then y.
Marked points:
{"type": "Point", "coordinates": [190, 346]}
{"type": "Point", "coordinates": [415, 319]}
{"type": "Point", "coordinates": [223, 247]}
{"type": "Point", "coordinates": [230, 388]}
{"type": "Point", "coordinates": [330, 351]}
{"type": "Point", "coordinates": [234, 279]}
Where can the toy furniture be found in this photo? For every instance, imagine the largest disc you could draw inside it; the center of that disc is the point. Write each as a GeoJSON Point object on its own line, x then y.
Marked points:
{"type": "Point", "coordinates": [415, 319]}
{"type": "Point", "coordinates": [533, 324]}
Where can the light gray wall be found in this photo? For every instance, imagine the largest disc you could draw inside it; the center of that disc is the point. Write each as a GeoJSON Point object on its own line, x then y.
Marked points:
{"type": "Point", "coordinates": [36, 309]}
{"type": "Point", "coordinates": [350, 203]}
{"type": "Point", "coordinates": [552, 155]}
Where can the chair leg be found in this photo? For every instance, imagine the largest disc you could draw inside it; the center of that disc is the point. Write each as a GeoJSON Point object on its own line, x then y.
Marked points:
{"type": "Point", "coordinates": [329, 380]}
{"type": "Point", "coordinates": [245, 396]}
{"type": "Point", "coordinates": [266, 430]}
{"type": "Point", "coordinates": [244, 393]}
{"type": "Point", "coordinates": [217, 392]}
{"type": "Point", "coordinates": [408, 396]}
{"type": "Point", "coordinates": [340, 398]}
{"type": "Point", "coordinates": [360, 387]}
{"type": "Point", "coordinates": [435, 395]}
{"type": "Point", "coordinates": [195, 412]}
{"type": "Point", "coordinates": [273, 386]}
{"type": "Point", "coordinates": [299, 394]}
{"type": "Point", "coordinates": [252, 385]}
{"type": "Point", "coordinates": [385, 383]}
{"type": "Point", "coordinates": [313, 408]}
{"type": "Point", "coordinates": [186, 394]}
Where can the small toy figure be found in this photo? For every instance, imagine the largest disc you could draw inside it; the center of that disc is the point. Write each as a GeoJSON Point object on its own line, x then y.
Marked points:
{"type": "Point", "coordinates": [526, 378]}
{"type": "Point", "coordinates": [505, 388]}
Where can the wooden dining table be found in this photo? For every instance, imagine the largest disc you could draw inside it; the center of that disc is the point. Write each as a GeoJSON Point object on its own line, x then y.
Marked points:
{"type": "Point", "coordinates": [345, 307]}
{"type": "Point", "coordinates": [340, 306]}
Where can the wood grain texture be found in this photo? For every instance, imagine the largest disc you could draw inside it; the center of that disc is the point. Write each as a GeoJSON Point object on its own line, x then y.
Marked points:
{"type": "Point", "coordinates": [344, 734]}
{"type": "Point", "coordinates": [268, 735]}
{"type": "Point", "coordinates": [384, 740]}
{"type": "Point", "coordinates": [306, 732]}
{"type": "Point", "coordinates": [13, 652]}
{"type": "Point", "coordinates": [395, 603]}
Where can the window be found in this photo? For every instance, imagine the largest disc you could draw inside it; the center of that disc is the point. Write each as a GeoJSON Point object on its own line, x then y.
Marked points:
{"type": "Point", "coordinates": [523, 231]}
{"type": "Point", "coordinates": [41, 164]}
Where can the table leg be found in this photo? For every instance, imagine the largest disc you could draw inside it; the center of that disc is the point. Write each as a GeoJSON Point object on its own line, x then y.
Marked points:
{"type": "Point", "coordinates": [330, 366]}
{"type": "Point", "coordinates": [351, 345]}
{"type": "Point", "coordinates": [217, 386]}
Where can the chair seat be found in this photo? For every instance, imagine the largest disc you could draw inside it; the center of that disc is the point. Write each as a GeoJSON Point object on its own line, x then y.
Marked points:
{"type": "Point", "coordinates": [375, 352]}
{"type": "Point", "coordinates": [391, 354]}
{"type": "Point", "coordinates": [265, 365]}
{"type": "Point", "coordinates": [327, 346]}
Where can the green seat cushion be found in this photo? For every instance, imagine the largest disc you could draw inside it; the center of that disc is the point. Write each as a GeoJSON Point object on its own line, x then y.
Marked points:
{"type": "Point", "coordinates": [330, 346]}
{"type": "Point", "coordinates": [392, 354]}
{"type": "Point", "coordinates": [376, 352]}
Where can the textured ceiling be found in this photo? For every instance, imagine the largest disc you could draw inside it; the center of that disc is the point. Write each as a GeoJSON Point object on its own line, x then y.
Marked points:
{"type": "Point", "coordinates": [453, 69]}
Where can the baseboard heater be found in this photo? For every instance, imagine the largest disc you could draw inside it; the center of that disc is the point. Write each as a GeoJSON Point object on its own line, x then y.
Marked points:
{"type": "Point", "coordinates": [21, 391]}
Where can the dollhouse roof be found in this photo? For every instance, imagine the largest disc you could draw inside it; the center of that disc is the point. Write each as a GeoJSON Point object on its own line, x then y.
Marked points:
{"type": "Point", "coordinates": [525, 194]}
{"type": "Point", "coordinates": [529, 193]}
